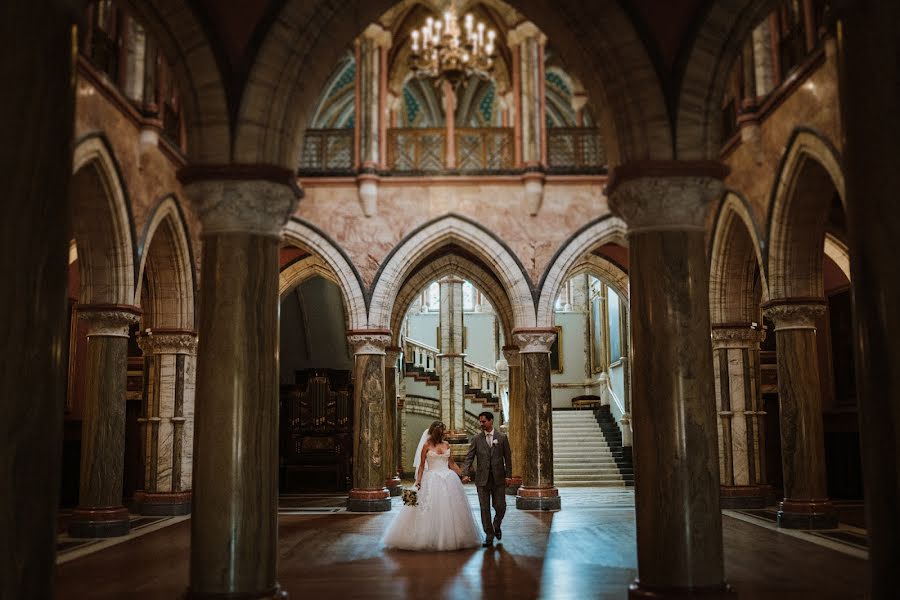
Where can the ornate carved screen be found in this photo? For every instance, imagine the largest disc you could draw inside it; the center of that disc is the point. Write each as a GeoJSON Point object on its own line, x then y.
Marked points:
{"type": "Point", "coordinates": [327, 151]}
{"type": "Point", "coordinates": [416, 150]}
{"type": "Point", "coordinates": [485, 149]}
{"type": "Point", "coordinates": [573, 149]}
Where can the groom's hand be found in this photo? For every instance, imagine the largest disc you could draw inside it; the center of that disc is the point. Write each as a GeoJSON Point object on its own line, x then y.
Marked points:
{"type": "Point", "coordinates": [466, 479]}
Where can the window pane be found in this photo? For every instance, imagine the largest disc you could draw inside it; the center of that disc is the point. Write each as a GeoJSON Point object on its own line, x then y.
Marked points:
{"type": "Point", "coordinates": [615, 336]}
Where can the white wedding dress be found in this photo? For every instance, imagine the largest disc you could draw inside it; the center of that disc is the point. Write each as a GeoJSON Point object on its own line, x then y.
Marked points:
{"type": "Point", "coordinates": [442, 520]}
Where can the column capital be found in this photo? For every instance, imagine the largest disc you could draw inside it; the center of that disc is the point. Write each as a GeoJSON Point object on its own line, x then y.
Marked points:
{"type": "Point", "coordinates": [255, 205]}
{"type": "Point", "coordinates": [736, 336]}
{"type": "Point", "coordinates": [794, 313]}
{"type": "Point", "coordinates": [450, 279]}
{"type": "Point", "coordinates": [369, 341]}
{"type": "Point", "coordinates": [378, 35]}
{"type": "Point", "coordinates": [534, 340]}
{"type": "Point", "coordinates": [391, 354]}
{"type": "Point", "coordinates": [168, 342]}
{"type": "Point", "coordinates": [665, 195]}
{"type": "Point", "coordinates": [511, 354]}
{"type": "Point", "coordinates": [109, 320]}
{"type": "Point", "coordinates": [524, 32]}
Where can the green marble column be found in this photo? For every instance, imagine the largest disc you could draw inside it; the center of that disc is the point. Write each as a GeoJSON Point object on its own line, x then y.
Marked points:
{"type": "Point", "coordinates": [391, 428]}
{"type": "Point", "coordinates": [517, 440]}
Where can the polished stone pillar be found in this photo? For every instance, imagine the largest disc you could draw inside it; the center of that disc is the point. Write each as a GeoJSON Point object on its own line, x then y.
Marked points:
{"type": "Point", "coordinates": [391, 427]}
{"type": "Point", "coordinates": [100, 511]}
{"type": "Point", "coordinates": [36, 117]}
{"type": "Point", "coordinates": [516, 417]}
{"type": "Point", "coordinates": [665, 206]}
{"type": "Point", "coordinates": [167, 421]}
{"type": "Point", "coordinates": [369, 493]}
{"type": "Point", "coordinates": [451, 364]}
{"type": "Point", "coordinates": [870, 94]}
{"type": "Point", "coordinates": [371, 115]}
{"type": "Point", "coordinates": [806, 504]}
{"type": "Point", "coordinates": [234, 525]}
{"type": "Point", "coordinates": [742, 450]}
{"type": "Point", "coordinates": [537, 491]}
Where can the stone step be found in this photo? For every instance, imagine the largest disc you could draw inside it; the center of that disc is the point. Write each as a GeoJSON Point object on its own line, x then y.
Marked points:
{"type": "Point", "coordinates": [591, 484]}
{"type": "Point", "coordinates": [586, 473]}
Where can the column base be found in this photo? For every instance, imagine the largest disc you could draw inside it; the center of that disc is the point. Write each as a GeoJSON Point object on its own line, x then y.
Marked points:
{"type": "Point", "coordinates": [807, 514]}
{"type": "Point", "coordinates": [644, 592]}
{"type": "Point", "coordinates": [512, 485]}
{"type": "Point", "coordinates": [99, 522]}
{"type": "Point", "coordinates": [538, 499]}
{"type": "Point", "coordinates": [744, 496]}
{"type": "Point", "coordinates": [275, 593]}
{"type": "Point", "coordinates": [163, 504]}
{"type": "Point", "coordinates": [368, 501]}
{"type": "Point", "coordinates": [394, 486]}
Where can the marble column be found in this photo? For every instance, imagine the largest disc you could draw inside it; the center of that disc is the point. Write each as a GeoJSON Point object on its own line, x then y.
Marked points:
{"type": "Point", "coordinates": [371, 113]}
{"type": "Point", "coordinates": [537, 491]}
{"type": "Point", "coordinates": [516, 417]}
{"type": "Point", "coordinates": [870, 94]}
{"type": "Point", "coordinates": [100, 511]}
{"type": "Point", "coordinates": [527, 43]}
{"type": "Point", "coordinates": [369, 493]}
{"type": "Point", "coordinates": [391, 428]}
{"type": "Point", "coordinates": [451, 364]}
{"type": "Point", "coordinates": [234, 524]}
{"type": "Point", "coordinates": [806, 504]}
{"type": "Point", "coordinates": [167, 421]}
{"type": "Point", "coordinates": [36, 117]}
{"type": "Point", "coordinates": [742, 451]}
{"type": "Point", "coordinates": [665, 206]}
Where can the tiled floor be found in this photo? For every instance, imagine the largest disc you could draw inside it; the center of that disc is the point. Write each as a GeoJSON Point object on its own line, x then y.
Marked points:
{"type": "Point", "coordinates": [586, 550]}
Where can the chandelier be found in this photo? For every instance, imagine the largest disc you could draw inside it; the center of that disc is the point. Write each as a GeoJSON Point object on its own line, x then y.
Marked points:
{"type": "Point", "coordinates": [441, 51]}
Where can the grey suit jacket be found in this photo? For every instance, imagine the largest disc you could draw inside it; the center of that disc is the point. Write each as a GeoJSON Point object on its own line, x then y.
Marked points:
{"type": "Point", "coordinates": [487, 459]}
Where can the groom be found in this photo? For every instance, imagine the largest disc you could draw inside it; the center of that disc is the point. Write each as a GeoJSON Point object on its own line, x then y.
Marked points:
{"type": "Point", "coordinates": [490, 450]}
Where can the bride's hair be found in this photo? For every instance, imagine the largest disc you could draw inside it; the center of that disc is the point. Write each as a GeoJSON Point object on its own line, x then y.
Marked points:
{"type": "Point", "coordinates": [436, 433]}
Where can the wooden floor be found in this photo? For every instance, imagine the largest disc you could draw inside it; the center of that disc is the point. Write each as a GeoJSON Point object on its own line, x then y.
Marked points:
{"type": "Point", "coordinates": [587, 550]}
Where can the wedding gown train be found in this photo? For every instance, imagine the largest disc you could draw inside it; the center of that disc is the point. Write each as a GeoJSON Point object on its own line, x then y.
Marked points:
{"type": "Point", "coordinates": [443, 518]}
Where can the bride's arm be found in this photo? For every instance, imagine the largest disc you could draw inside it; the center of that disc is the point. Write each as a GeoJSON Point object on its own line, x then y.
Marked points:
{"type": "Point", "coordinates": [454, 466]}
{"type": "Point", "coordinates": [421, 465]}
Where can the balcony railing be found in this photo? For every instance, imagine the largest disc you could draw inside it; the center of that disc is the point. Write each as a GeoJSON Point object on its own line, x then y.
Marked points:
{"type": "Point", "coordinates": [416, 150]}
{"type": "Point", "coordinates": [327, 151]}
{"type": "Point", "coordinates": [575, 149]}
{"type": "Point", "coordinates": [486, 149]}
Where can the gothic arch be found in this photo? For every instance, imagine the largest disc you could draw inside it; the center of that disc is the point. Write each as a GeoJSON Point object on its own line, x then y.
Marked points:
{"type": "Point", "coordinates": [716, 45]}
{"type": "Point", "coordinates": [604, 229]}
{"type": "Point", "coordinates": [446, 231]}
{"type": "Point", "coordinates": [166, 262]}
{"type": "Point", "coordinates": [460, 266]}
{"type": "Point", "coordinates": [332, 260]}
{"type": "Point", "coordinates": [737, 281]}
{"type": "Point", "coordinates": [609, 272]}
{"type": "Point", "coordinates": [294, 63]}
{"type": "Point", "coordinates": [808, 177]}
{"type": "Point", "coordinates": [102, 225]}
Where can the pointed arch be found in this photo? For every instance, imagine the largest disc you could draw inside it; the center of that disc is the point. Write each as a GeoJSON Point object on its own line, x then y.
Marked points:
{"type": "Point", "coordinates": [102, 224]}
{"type": "Point", "coordinates": [498, 259]}
{"type": "Point", "coordinates": [737, 279]}
{"type": "Point", "coordinates": [808, 177]}
{"type": "Point", "coordinates": [341, 269]}
{"type": "Point", "coordinates": [606, 270]}
{"type": "Point", "coordinates": [605, 229]}
{"type": "Point", "coordinates": [300, 270]}
{"type": "Point", "coordinates": [167, 265]}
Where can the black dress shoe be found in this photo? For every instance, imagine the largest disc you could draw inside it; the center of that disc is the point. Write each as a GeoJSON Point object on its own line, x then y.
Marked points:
{"type": "Point", "coordinates": [488, 543]}
{"type": "Point", "coordinates": [499, 534]}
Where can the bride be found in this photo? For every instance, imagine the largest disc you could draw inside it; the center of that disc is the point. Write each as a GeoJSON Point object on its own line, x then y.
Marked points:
{"type": "Point", "coordinates": [442, 519]}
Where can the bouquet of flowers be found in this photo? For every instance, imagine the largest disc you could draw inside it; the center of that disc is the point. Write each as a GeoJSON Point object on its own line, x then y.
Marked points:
{"type": "Point", "coordinates": [410, 497]}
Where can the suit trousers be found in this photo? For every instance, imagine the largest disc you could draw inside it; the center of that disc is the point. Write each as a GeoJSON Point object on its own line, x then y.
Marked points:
{"type": "Point", "coordinates": [492, 494]}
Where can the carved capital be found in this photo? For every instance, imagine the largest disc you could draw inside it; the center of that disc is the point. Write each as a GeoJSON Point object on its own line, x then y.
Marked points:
{"type": "Point", "coordinates": [391, 354]}
{"type": "Point", "coordinates": [258, 206]}
{"type": "Point", "coordinates": [511, 354]}
{"type": "Point", "coordinates": [371, 341]}
{"type": "Point", "coordinates": [737, 337]}
{"type": "Point", "coordinates": [168, 343]}
{"type": "Point", "coordinates": [665, 203]}
{"type": "Point", "coordinates": [534, 341]}
{"type": "Point", "coordinates": [524, 32]}
{"type": "Point", "coordinates": [108, 321]}
{"type": "Point", "coordinates": [790, 315]}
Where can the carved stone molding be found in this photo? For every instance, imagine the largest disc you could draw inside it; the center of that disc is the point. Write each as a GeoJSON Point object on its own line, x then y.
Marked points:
{"type": "Point", "coordinates": [257, 207]}
{"type": "Point", "coordinates": [511, 354]}
{"type": "Point", "coordinates": [168, 343]}
{"type": "Point", "coordinates": [369, 341]}
{"type": "Point", "coordinates": [109, 322]}
{"type": "Point", "coordinates": [391, 354]}
{"type": "Point", "coordinates": [534, 341]}
{"type": "Point", "coordinates": [794, 316]}
{"type": "Point", "coordinates": [665, 203]}
{"type": "Point", "coordinates": [737, 337]}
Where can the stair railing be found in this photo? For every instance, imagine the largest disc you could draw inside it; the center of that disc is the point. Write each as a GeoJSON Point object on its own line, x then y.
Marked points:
{"type": "Point", "coordinates": [482, 378]}
{"type": "Point", "coordinates": [423, 356]}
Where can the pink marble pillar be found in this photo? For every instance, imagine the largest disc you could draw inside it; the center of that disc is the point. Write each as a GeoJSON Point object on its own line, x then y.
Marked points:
{"type": "Point", "coordinates": [391, 429]}
{"type": "Point", "coordinates": [168, 422]}
{"type": "Point", "coordinates": [100, 511]}
{"type": "Point", "coordinates": [537, 491]}
{"type": "Point", "coordinates": [368, 493]}
{"type": "Point", "coordinates": [516, 417]}
{"type": "Point", "coordinates": [665, 206]}
{"type": "Point", "coordinates": [234, 525]}
{"type": "Point", "coordinates": [806, 504]}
